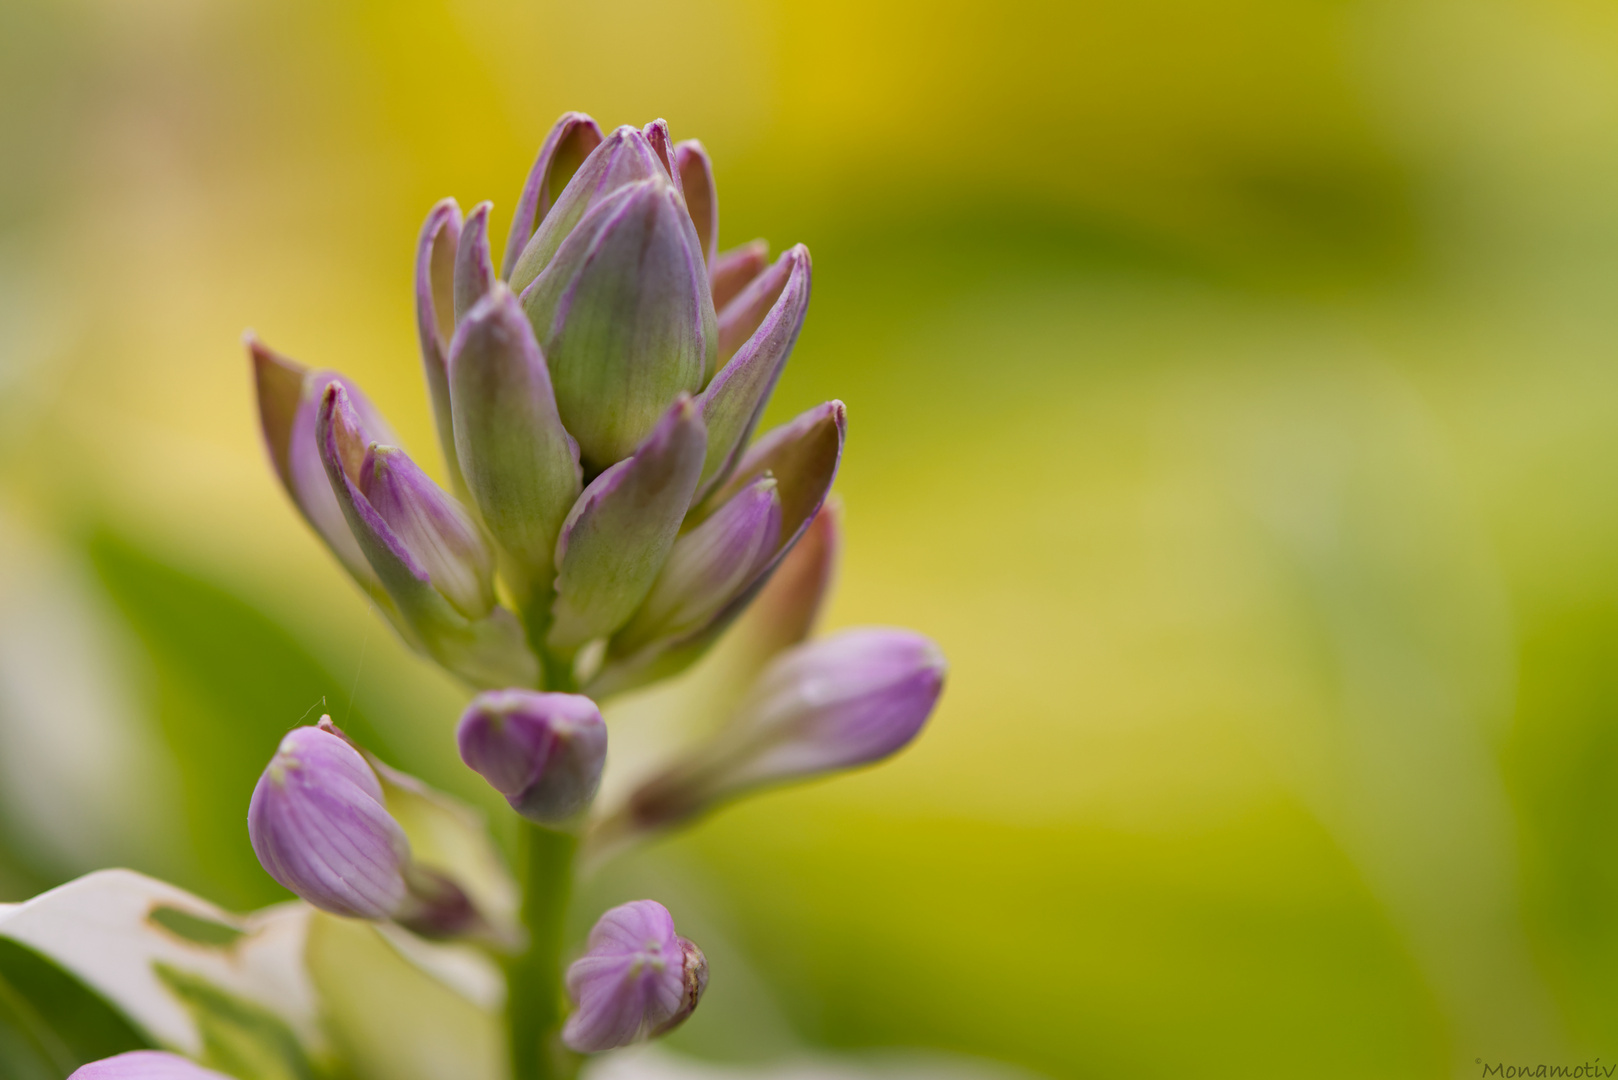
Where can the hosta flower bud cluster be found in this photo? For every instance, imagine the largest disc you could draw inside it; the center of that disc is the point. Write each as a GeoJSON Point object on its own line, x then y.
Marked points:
{"type": "Point", "coordinates": [595, 400]}
{"type": "Point", "coordinates": [608, 512]}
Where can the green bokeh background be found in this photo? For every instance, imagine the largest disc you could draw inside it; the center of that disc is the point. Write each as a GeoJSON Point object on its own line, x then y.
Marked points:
{"type": "Point", "coordinates": [1232, 393]}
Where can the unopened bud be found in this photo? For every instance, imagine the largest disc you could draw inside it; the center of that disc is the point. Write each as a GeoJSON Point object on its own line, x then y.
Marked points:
{"type": "Point", "coordinates": [543, 752]}
{"type": "Point", "coordinates": [637, 980]}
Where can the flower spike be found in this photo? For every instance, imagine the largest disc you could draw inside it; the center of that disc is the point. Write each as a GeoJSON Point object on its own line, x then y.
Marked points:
{"type": "Point", "coordinates": [637, 980]}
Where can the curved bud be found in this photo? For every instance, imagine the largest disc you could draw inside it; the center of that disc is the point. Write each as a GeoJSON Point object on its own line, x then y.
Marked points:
{"type": "Point", "coordinates": [289, 398]}
{"type": "Point", "coordinates": [564, 149]}
{"type": "Point", "coordinates": [624, 318]}
{"type": "Point", "coordinates": [487, 649]}
{"type": "Point", "coordinates": [701, 196]}
{"type": "Point", "coordinates": [543, 752]}
{"type": "Point", "coordinates": [435, 313]}
{"type": "Point", "coordinates": [618, 535]}
{"type": "Point", "coordinates": [637, 979]}
{"type": "Point", "coordinates": [432, 527]}
{"type": "Point", "coordinates": [520, 464]}
{"type": "Point", "coordinates": [802, 456]}
{"type": "Point", "coordinates": [474, 272]}
{"type": "Point", "coordinates": [733, 269]}
{"type": "Point", "coordinates": [709, 566]}
{"type": "Point", "coordinates": [145, 1065]}
{"type": "Point", "coordinates": [624, 157]}
{"type": "Point", "coordinates": [756, 337]}
{"type": "Point", "coordinates": [319, 827]}
{"type": "Point", "coordinates": [850, 700]}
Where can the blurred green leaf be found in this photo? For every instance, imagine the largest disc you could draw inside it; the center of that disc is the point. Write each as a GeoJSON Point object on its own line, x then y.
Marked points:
{"type": "Point", "coordinates": [238, 1037]}
{"type": "Point", "coordinates": [50, 1022]}
{"type": "Point", "coordinates": [229, 683]}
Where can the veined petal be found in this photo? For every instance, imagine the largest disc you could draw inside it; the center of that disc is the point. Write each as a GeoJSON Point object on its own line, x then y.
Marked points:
{"type": "Point", "coordinates": [474, 272]}
{"type": "Point", "coordinates": [701, 196]}
{"type": "Point", "coordinates": [732, 270]}
{"type": "Point", "coordinates": [435, 314]}
{"type": "Point", "coordinates": [620, 531]}
{"type": "Point", "coordinates": [564, 150]}
{"type": "Point", "coordinates": [624, 317]}
{"type": "Point", "coordinates": [145, 1065]}
{"type": "Point", "coordinates": [770, 312]}
{"type": "Point", "coordinates": [624, 157]}
{"type": "Point", "coordinates": [637, 979]}
{"type": "Point", "coordinates": [521, 465]}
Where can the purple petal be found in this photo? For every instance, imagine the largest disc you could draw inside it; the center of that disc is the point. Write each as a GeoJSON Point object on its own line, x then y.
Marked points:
{"type": "Point", "coordinates": [624, 157]}
{"type": "Point", "coordinates": [708, 567]}
{"type": "Point", "coordinates": [565, 148]}
{"type": "Point", "coordinates": [618, 535]}
{"type": "Point", "coordinates": [433, 527]}
{"type": "Point", "coordinates": [145, 1065]}
{"type": "Point", "coordinates": [701, 196]}
{"type": "Point", "coordinates": [624, 318]}
{"type": "Point", "coordinates": [543, 752]}
{"type": "Point", "coordinates": [637, 978]}
{"type": "Point", "coordinates": [435, 312]}
{"type": "Point", "coordinates": [520, 464]}
{"type": "Point", "coordinates": [730, 271]}
{"type": "Point", "coordinates": [474, 272]}
{"type": "Point", "coordinates": [769, 313]}
{"type": "Point", "coordinates": [662, 144]}
{"type": "Point", "coordinates": [319, 827]}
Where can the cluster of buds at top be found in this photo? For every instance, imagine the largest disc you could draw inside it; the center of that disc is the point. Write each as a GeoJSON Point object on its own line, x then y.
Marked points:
{"type": "Point", "coordinates": [595, 401]}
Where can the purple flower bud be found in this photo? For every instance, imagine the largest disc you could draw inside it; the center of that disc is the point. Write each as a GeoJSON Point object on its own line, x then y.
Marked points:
{"type": "Point", "coordinates": [435, 314]}
{"type": "Point", "coordinates": [319, 827]}
{"type": "Point", "coordinates": [637, 979]}
{"type": "Point", "coordinates": [624, 318]}
{"type": "Point", "coordinates": [624, 157]}
{"type": "Point", "coordinates": [434, 528]}
{"type": "Point", "coordinates": [565, 148]}
{"type": "Point", "coordinates": [701, 196]}
{"type": "Point", "coordinates": [662, 144]}
{"type": "Point", "coordinates": [618, 535]}
{"type": "Point", "coordinates": [521, 465]}
{"type": "Point", "coordinates": [709, 566]}
{"type": "Point", "coordinates": [543, 752]}
{"type": "Point", "coordinates": [145, 1065]}
{"type": "Point", "coordinates": [474, 272]}
{"type": "Point", "coordinates": [849, 700]}
{"type": "Point", "coordinates": [289, 398]}
{"type": "Point", "coordinates": [756, 336]}
{"type": "Point", "coordinates": [730, 271]}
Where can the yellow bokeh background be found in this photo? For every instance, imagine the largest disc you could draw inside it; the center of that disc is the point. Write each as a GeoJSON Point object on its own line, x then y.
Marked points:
{"type": "Point", "coordinates": [1233, 393]}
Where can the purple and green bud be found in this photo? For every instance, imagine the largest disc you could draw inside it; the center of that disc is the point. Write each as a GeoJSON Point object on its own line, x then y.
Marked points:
{"type": "Point", "coordinates": [563, 151]}
{"type": "Point", "coordinates": [543, 752]}
{"type": "Point", "coordinates": [731, 270]}
{"type": "Point", "coordinates": [695, 171]}
{"type": "Point", "coordinates": [320, 826]}
{"type": "Point", "coordinates": [619, 533]}
{"type": "Point", "coordinates": [624, 317]}
{"type": "Point", "coordinates": [520, 464]}
{"type": "Point", "coordinates": [849, 700]}
{"type": "Point", "coordinates": [474, 272]}
{"type": "Point", "coordinates": [756, 336]}
{"type": "Point", "coordinates": [709, 566]}
{"type": "Point", "coordinates": [637, 980]}
{"type": "Point", "coordinates": [436, 256]}
{"type": "Point", "coordinates": [145, 1065]}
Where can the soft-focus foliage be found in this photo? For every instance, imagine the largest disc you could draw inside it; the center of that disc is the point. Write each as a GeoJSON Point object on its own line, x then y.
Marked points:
{"type": "Point", "coordinates": [1231, 395]}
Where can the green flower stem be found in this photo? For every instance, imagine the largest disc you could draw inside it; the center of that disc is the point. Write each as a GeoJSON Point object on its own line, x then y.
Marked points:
{"type": "Point", "coordinates": [535, 1005]}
